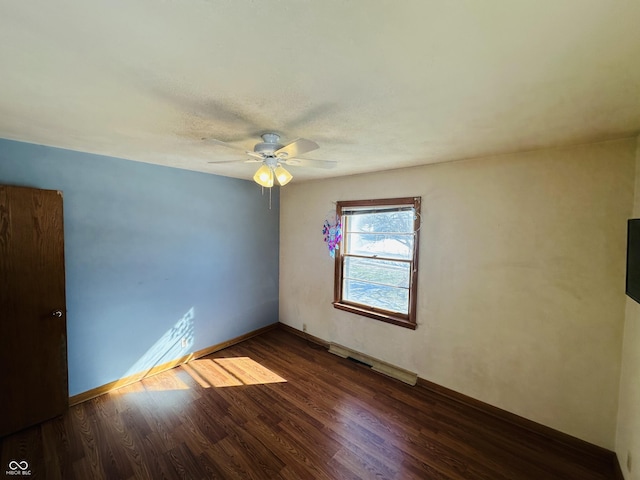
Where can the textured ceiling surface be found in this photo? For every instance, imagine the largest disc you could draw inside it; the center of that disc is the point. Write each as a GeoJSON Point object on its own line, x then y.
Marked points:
{"type": "Point", "coordinates": [377, 84]}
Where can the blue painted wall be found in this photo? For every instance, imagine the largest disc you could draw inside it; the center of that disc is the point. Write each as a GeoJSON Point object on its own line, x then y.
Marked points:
{"type": "Point", "coordinates": [156, 258]}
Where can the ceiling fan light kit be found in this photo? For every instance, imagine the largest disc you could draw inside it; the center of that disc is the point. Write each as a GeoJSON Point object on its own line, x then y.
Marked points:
{"type": "Point", "coordinates": [269, 170]}
{"type": "Point", "coordinates": [264, 176]}
{"type": "Point", "coordinates": [282, 175]}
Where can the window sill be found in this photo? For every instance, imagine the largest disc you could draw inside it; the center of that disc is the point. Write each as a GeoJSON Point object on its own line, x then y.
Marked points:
{"type": "Point", "coordinates": [377, 315]}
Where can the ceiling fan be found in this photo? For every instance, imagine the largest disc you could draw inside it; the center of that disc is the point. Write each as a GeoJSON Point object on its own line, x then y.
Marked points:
{"type": "Point", "coordinates": [272, 155]}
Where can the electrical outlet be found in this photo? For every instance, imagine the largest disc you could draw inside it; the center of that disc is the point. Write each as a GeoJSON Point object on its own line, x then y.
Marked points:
{"type": "Point", "coordinates": [304, 327]}
{"type": "Point", "coordinates": [184, 342]}
{"type": "Point", "coordinates": [629, 461]}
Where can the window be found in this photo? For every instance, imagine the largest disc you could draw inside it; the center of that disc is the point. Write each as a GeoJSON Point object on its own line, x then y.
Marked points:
{"type": "Point", "coordinates": [377, 260]}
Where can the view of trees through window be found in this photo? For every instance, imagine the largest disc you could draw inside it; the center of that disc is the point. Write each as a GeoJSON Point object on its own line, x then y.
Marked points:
{"type": "Point", "coordinates": [379, 249]}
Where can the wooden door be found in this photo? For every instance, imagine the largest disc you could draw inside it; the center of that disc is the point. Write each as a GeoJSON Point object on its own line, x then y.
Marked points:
{"type": "Point", "coordinates": [33, 334]}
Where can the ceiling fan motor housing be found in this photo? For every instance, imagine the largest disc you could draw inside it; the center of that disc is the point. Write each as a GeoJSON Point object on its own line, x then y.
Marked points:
{"type": "Point", "coordinates": [270, 144]}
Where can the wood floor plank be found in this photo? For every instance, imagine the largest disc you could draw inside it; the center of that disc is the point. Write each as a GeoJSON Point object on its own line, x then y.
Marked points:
{"type": "Point", "coordinates": [212, 472]}
{"type": "Point", "coordinates": [278, 407]}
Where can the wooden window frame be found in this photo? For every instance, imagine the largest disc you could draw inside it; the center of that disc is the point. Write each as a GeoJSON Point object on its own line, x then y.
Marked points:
{"type": "Point", "coordinates": [395, 318]}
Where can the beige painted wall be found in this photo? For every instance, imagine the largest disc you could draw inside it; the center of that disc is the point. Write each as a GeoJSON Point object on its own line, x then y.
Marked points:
{"type": "Point", "coordinates": [521, 283]}
{"type": "Point", "coordinates": [628, 434]}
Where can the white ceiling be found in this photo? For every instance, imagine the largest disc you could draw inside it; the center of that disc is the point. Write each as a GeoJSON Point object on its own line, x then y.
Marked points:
{"type": "Point", "coordinates": [377, 84]}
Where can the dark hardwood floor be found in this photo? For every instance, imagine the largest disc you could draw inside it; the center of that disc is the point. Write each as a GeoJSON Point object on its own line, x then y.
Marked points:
{"type": "Point", "coordinates": [277, 407]}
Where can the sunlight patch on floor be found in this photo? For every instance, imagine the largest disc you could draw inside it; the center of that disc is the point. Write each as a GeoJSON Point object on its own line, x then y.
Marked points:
{"type": "Point", "coordinates": [230, 372]}
{"type": "Point", "coordinates": [162, 382]}
{"type": "Point", "coordinates": [195, 375]}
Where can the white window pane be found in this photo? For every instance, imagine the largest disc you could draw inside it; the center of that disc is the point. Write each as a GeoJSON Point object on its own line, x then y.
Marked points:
{"type": "Point", "coordinates": [377, 296]}
{"type": "Point", "coordinates": [383, 245]}
{"type": "Point", "coordinates": [382, 222]}
{"type": "Point", "coordinates": [395, 274]}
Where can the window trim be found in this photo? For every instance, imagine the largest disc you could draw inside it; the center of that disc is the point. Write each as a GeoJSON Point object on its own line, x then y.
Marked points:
{"type": "Point", "coordinates": [408, 320]}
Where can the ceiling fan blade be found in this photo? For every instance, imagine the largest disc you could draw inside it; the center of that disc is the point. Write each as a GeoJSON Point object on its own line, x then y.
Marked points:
{"type": "Point", "coordinates": [222, 144]}
{"type": "Point", "coordinates": [251, 160]}
{"type": "Point", "coordinates": [233, 147]}
{"type": "Point", "coordinates": [226, 161]}
{"type": "Point", "coordinates": [297, 147]}
{"type": "Point", "coordinates": [305, 162]}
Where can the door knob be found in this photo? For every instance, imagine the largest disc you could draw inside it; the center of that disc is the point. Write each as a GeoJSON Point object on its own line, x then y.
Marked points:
{"type": "Point", "coordinates": [57, 313]}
